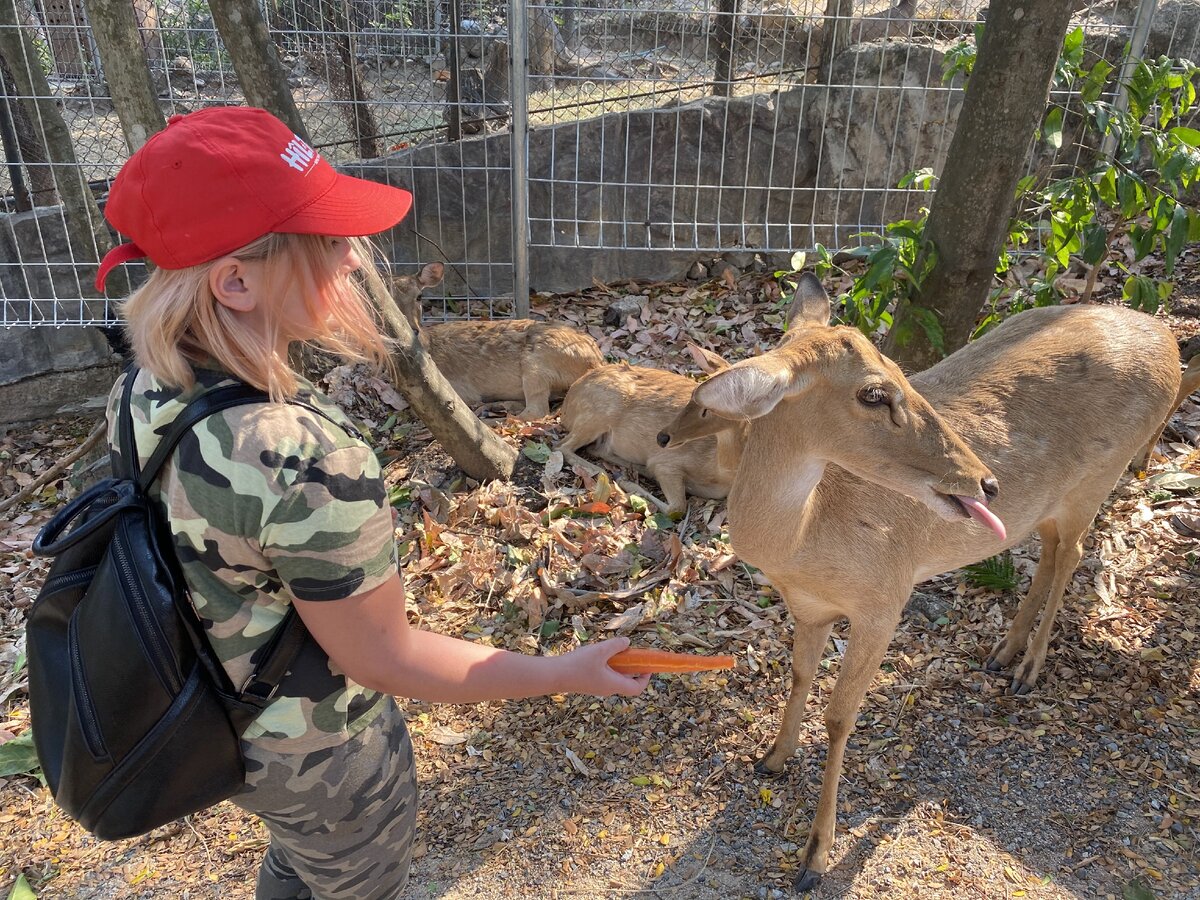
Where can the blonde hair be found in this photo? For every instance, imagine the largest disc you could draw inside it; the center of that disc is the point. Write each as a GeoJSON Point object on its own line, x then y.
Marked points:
{"type": "Point", "coordinates": [174, 322]}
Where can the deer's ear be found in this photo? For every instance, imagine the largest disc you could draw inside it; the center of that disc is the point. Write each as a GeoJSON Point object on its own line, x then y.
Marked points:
{"type": "Point", "coordinates": [431, 274]}
{"type": "Point", "coordinates": [810, 306]}
{"type": "Point", "coordinates": [748, 390]}
{"type": "Point", "coordinates": [707, 361]}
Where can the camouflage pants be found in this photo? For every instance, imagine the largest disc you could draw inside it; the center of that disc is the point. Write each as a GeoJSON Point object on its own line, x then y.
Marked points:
{"type": "Point", "coordinates": [341, 820]}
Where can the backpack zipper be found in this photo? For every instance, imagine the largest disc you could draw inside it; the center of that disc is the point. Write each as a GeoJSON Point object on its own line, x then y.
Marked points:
{"type": "Point", "coordinates": [92, 735]}
{"type": "Point", "coordinates": [68, 580]}
{"type": "Point", "coordinates": [154, 638]}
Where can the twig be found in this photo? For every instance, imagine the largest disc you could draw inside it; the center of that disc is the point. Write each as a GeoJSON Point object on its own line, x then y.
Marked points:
{"type": "Point", "coordinates": [55, 470]}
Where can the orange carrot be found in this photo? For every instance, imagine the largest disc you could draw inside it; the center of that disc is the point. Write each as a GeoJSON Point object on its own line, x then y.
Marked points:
{"type": "Point", "coordinates": [639, 662]}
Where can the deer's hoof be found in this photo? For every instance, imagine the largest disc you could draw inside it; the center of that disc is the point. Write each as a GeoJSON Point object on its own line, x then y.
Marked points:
{"type": "Point", "coordinates": [1020, 688]}
{"type": "Point", "coordinates": [760, 768]}
{"type": "Point", "coordinates": [993, 663]}
{"type": "Point", "coordinates": [806, 881]}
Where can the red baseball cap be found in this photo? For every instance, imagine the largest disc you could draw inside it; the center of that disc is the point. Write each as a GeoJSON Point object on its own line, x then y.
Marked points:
{"type": "Point", "coordinates": [215, 180]}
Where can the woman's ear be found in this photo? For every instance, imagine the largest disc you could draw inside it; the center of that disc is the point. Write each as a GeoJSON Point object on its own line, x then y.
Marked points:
{"type": "Point", "coordinates": [232, 283]}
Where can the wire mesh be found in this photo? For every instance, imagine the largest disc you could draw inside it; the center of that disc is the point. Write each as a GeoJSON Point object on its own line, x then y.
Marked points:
{"type": "Point", "coordinates": [653, 125]}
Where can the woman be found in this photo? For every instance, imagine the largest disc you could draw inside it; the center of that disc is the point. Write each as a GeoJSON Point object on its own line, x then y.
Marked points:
{"type": "Point", "coordinates": [254, 239]}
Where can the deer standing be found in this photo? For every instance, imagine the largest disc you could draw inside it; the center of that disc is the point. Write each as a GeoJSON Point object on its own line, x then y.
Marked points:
{"type": "Point", "coordinates": [856, 483]}
{"type": "Point", "coordinates": [512, 361]}
{"type": "Point", "coordinates": [620, 410]}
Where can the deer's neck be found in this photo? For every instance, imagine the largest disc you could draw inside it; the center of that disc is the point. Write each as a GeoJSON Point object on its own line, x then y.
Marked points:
{"type": "Point", "coordinates": [730, 444]}
{"type": "Point", "coordinates": [770, 503]}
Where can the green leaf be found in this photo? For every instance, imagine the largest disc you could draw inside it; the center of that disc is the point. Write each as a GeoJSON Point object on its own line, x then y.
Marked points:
{"type": "Point", "coordinates": [660, 521]}
{"type": "Point", "coordinates": [17, 757]}
{"type": "Point", "coordinates": [1095, 243]}
{"type": "Point", "coordinates": [1140, 293]}
{"type": "Point", "coordinates": [638, 504]}
{"type": "Point", "coordinates": [537, 451]}
{"type": "Point", "coordinates": [1176, 238]}
{"type": "Point", "coordinates": [21, 890]}
{"type": "Point", "coordinates": [1106, 186]}
{"type": "Point", "coordinates": [1175, 481]}
{"type": "Point", "coordinates": [999, 573]}
{"type": "Point", "coordinates": [921, 179]}
{"type": "Point", "coordinates": [1073, 42]}
{"type": "Point", "coordinates": [798, 260]}
{"type": "Point", "coordinates": [1130, 194]}
{"type": "Point", "coordinates": [929, 323]}
{"type": "Point", "coordinates": [1093, 84]}
{"type": "Point", "coordinates": [1052, 129]}
{"type": "Point", "coordinates": [549, 628]}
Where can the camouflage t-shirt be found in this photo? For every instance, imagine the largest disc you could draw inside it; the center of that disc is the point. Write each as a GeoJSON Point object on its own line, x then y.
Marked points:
{"type": "Point", "coordinates": [266, 502]}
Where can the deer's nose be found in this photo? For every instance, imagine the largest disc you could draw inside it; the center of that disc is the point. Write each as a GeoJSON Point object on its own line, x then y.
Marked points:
{"type": "Point", "coordinates": [663, 439]}
{"type": "Point", "coordinates": [991, 487]}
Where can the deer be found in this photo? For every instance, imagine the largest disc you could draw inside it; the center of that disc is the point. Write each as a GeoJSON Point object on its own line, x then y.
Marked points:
{"type": "Point", "coordinates": [620, 409]}
{"type": "Point", "coordinates": [855, 482]}
{"type": "Point", "coordinates": [517, 361]}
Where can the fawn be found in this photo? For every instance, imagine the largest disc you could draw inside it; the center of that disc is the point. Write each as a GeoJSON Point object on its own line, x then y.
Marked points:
{"type": "Point", "coordinates": [856, 483]}
{"type": "Point", "coordinates": [513, 361]}
{"type": "Point", "coordinates": [620, 410]}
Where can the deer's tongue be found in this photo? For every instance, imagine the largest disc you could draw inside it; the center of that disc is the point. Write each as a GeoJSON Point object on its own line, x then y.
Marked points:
{"type": "Point", "coordinates": [982, 515]}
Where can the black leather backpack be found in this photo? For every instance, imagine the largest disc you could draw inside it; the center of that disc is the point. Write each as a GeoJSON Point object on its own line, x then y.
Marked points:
{"type": "Point", "coordinates": [135, 721]}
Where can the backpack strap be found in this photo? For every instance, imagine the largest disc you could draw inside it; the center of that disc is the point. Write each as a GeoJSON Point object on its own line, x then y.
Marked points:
{"type": "Point", "coordinates": [259, 689]}
{"type": "Point", "coordinates": [200, 408]}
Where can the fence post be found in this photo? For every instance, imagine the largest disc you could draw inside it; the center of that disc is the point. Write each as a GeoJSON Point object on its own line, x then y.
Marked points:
{"type": "Point", "coordinates": [726, 29]}
{"type": "Point", "coordinates": [1137, 44]}
{"type": "Point", "coordinates": [454, 85]}
{"type": "Point", "coordinates": [518, 36]}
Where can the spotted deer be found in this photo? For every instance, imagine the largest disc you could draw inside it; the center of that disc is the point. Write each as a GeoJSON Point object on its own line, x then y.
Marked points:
{"type": "Point", "coordinates": [855, 483]}
{"type": "Point", "coordinates": [513, 361]}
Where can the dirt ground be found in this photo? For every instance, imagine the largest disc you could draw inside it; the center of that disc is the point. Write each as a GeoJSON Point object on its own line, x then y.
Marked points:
{"type": "Point", "coordinates": [1089, 787]}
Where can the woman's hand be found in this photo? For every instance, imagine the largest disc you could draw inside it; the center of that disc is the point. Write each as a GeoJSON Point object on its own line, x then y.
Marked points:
{"type": "Point", "coordinates": [586, 671]}
{"type": "Point", "coordinates": [368, 637]}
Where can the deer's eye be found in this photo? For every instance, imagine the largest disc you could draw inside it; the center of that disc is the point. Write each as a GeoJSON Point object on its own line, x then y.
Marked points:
{"type": "Point", "coordinates": [873, 395]}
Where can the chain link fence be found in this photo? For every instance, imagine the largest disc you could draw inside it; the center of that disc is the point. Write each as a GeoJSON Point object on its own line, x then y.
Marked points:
{"type": "Point", "coordinates": [647, 132]}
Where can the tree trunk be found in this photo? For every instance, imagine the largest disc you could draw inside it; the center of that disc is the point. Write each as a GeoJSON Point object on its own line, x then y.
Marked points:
{"type": "Point", "coordinates": [346, 80]}
{"type": "Point", "coordinates": [835, 33]}
{"type": "Point", "coordinates": [476, 449]}
{"type": "Point", "coordinates": [86, 231]}
{"type": "Point", "coordinates": [124, 57]}
{"type": "Point", "coordinates": [28, 151]}
{"type": "Point", "coordinates": [725, 35]}
{"type": "Point", "coordinates": [244, 32]}
{"type": "Point", "coordinates": [1004, 103]}
{"type": "Point", "coordinates": [547, 49]}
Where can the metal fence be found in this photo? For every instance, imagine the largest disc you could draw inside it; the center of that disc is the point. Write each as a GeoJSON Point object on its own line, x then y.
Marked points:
{"type": "Point", "coordinates": [636, 127]}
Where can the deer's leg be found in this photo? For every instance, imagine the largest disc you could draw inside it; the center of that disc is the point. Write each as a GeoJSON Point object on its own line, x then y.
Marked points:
{"type": "Point", "coordinates": [580, 436]}
{"type": "Point", "coordinates": [865, 649]}
{"type": "Point", "coordinates": [670, 479]}
{"type": "Point", "coordinates": [1070, 551]}
{"type": "Point", "coordinates": [808, 643]}
{"type": "Point", "coordinates": [1022, 623]}
{"type": "Point", "coordinates": [536, 385]}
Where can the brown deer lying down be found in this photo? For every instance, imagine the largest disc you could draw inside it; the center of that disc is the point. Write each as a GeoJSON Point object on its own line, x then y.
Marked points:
{"type": "Point", "coordinates": [852, 488]}
{"type": "Point", "coordinates": [620, 410]}
{"type": "Point", "coordinates": [512, 360]}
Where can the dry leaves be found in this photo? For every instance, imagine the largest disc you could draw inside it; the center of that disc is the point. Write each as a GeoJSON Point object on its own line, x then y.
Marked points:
{"type": "Point", "coordinates": [952, 788]}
